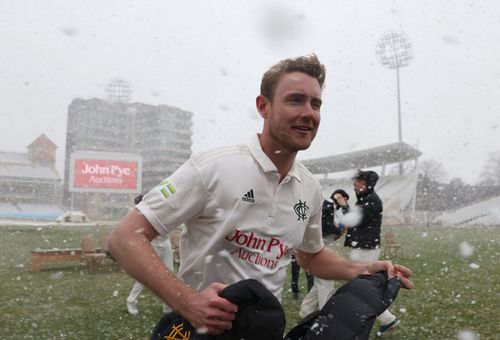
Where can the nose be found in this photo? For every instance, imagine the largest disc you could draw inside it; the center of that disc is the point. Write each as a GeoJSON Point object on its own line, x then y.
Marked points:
{"type": "Point", "coordinates": [309, 111]}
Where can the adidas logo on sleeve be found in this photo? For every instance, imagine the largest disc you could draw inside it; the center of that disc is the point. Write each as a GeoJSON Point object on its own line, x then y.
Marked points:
{"type": "Point", "coordinates": [248, 197]}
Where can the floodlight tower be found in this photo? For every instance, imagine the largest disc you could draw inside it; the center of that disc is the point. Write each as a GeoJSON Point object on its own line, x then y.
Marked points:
{"type": "Point", "coordinates": [119, 90]}
{"type": "Point", "coordinates": [394, 50]}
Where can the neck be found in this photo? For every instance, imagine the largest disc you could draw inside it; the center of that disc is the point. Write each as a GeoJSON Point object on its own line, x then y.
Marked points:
{"type": "Point", "coordinates": [281, 158]}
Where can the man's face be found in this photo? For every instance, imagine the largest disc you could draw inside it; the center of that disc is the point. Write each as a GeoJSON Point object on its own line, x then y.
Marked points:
{"type": "Point", "coordinates": [359, 185]}
{"type": "Point", "coordinates": [293, 116]}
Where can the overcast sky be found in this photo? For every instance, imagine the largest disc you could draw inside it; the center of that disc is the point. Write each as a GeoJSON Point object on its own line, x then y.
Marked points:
{"type": "Point", "coordinates": [208, 57]}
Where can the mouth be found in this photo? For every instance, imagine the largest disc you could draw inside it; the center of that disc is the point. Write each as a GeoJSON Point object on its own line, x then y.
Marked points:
{"type": "Point", "coordinates": [303, 128]}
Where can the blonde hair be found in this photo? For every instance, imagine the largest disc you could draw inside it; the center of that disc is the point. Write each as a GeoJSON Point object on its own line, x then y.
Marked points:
{"type": "Point", "coordinates": [308, 64]}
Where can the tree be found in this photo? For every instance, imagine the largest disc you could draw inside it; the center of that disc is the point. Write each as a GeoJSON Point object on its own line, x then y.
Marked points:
{"type": "Point", "coordinates": [432, 170]}
{"type": "Point", "coordinates": [431, 175]}
{"type": "Point", "coordinates": [491, 172]}
{"type": "Point", "coordinates": [457, 193]}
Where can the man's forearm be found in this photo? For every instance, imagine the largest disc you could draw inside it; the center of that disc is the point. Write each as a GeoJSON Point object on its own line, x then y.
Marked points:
{"type": "Point", "coordinates": [129, 243]}
{"type": "Point", "coordinates": [329, 265]}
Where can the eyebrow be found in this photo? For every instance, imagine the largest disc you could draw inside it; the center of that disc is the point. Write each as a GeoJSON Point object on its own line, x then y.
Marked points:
{"type": "Point", "coordinates": [301, 95]}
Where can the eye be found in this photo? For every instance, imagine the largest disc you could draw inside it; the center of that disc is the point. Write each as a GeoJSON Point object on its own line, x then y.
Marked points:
{"type": "Point", "coordinates": [316, 104]}
{"type": "Point", "coordinates": [294, 100]}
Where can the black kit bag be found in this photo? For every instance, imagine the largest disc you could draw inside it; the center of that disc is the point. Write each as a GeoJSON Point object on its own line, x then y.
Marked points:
{"type": "Point", "coordinates": [351, 312]}
{"type": "Point", "coordinates": [260, 316]}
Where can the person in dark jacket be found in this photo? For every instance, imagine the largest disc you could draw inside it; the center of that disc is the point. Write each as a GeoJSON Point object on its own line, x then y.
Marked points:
{"type": "Point", "coordinates": [364, 237]}
{"type": "Point", "coordinates": [332, 214]}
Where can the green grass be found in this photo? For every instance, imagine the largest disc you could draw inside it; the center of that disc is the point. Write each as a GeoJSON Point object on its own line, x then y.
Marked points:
{"type": "Point", "coordinates": [67, 301]}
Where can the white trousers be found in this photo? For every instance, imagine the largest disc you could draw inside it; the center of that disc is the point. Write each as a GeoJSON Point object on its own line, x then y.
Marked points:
{"type": "Point", "coordinates": [164, 251]}
{"type": "Point", "coordinates": [317, 297]}
{"type": "Point", "coordinates": [321, 291]}
{"type": "Point", "coordinates": [370, 255]}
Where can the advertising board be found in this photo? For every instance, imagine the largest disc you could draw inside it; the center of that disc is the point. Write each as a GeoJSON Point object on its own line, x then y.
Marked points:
{"type": "Point", "coordinates": [105, 172]}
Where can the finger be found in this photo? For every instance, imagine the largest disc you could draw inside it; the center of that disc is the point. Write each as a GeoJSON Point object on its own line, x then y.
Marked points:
{"type": "Point", "coordinates": [223, 316]}
{"type": "Point", "coordinates": [388, 266]}
{"type": "Point", "coordinates": [377, 266]}
{"type": "Point", "coordinates": [407, 284]}
{"type": "Point", "coordinates": [217, 286]}
{"type": "Point", "coordinates": [211, 331]}
{"type": "Point", "coordinates": [224, 305]}
{"type": "Point", "coordinates": [223, 310]}
{"type": "Point", "coordinates": [214, 323]}
{"type": "Point", "coordinates": [404, 270]}
{"type": "Point", "coordinates": [214, 326]}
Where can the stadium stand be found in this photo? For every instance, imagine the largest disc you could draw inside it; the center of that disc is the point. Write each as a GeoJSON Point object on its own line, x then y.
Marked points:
{"type": "Point", "coordinates": [486, 212]}
{"type": "Point", "coordinates": [30, 186]}
{"type": "Point", "coordinates": [397, 192]}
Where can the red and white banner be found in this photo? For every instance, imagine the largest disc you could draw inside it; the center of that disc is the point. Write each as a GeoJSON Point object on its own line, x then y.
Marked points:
{"type": "Point", "coordinates": [105, 175]}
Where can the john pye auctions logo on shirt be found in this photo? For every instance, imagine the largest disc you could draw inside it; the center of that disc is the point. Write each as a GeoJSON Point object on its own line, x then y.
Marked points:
{"type": "Point", "coordinates": [248, 242]}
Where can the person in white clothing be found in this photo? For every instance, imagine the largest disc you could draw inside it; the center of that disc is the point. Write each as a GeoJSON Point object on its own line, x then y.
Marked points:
{"type": "Point", "coordinates": [244, 208]}
{"type": "Point", "coordinates": [163, 248]}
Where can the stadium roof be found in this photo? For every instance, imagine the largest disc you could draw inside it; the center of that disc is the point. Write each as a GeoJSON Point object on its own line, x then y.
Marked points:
{"type": "Point", "coordinates": [43, 141]}
{"type": "Point", "coordinates": [14, 158]}
{"type": "Point", "coordinates": [367, 158]}
{"type": "Point", "coordinates": [17, 171]}
{"type": "Point", "coordinates": [16, 165]}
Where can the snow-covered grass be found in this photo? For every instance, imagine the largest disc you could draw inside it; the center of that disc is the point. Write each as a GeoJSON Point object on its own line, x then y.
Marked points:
{"type": "Point", "coordinates": [457, 283]}
{"type": "Point", "coordinates": [457, 291]}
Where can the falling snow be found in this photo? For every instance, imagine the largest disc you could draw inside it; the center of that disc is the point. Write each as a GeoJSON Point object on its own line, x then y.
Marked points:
{"type": "Point", "coordinates": [56, 276]}
{"type": "Point", "coordinates": [467, 335]}
{"type": "Point", "coordinates": [466, 250]}
{"type": "Point", "coordinates": [224, 253]}
{"type": "Point", "coordinates": [353, 217]}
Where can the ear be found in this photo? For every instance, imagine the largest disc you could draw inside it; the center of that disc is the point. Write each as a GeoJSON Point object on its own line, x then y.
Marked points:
{"type": "Point", "coordinates": [263, 105]}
